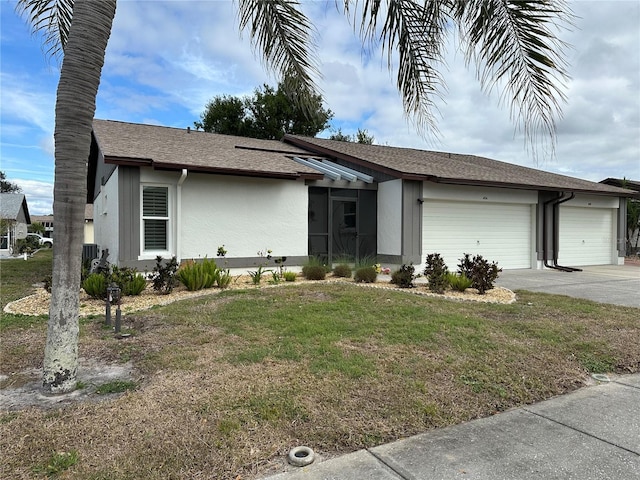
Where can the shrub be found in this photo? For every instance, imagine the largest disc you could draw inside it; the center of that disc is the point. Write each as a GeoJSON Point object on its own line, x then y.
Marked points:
{"type": "Point", "coordinates": [198, 275]}
{"type": "Point", "coordinates": [95, 285]}
{"type": "Point", "coordinates": [458, 282]}
{"type": "Point", "coordinates": [342, 270]}
{"type": "Point", "coordinates": [465, 267]}
{"type": "Point", "coordinates": [26, 245]}
{"type": "Point", "coordinates": [436, 273]}
{"type": "Point", "coordinates": [135, 286]}
{"type": "Point", "coordinates": [404, 277]}
{"type": "Point", "coordinates": [163, 277]}
{"type": "Point", "coordinates": [128, 280]}
{"type": "Point", "coordinates": [290, 276]}
{"type": "Point", "coordinates": [256, 275]}
{"type": "Point", "coordinates": [365, 275]}
{"type": "Point", "coordinates": [223, 278]}
{"type": "Point", "coordinates": [314, 272]}
{"type": "Point", "coordinates": [47, 283]}
{"type": "Point", "coordinates": [313, 263]}
{"type": "Point", "coordinates": [481, 273]}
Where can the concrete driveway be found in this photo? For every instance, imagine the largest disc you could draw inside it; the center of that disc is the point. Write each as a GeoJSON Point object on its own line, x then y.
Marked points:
{"type": "Point", "coordinates": [615, 284]}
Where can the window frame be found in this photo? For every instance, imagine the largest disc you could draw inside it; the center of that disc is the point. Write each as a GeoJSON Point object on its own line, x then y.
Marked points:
{"type": "Point", "coordinates": [151, 254]}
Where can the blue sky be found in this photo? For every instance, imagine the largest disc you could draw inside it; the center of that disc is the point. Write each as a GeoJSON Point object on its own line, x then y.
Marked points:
{"type": "Point", "coordinates": [165, 60]}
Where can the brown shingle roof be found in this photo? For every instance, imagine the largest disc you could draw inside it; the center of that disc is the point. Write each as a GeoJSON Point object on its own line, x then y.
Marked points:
{"type": "Point", "coordinates": [165, 147]}
{"type": "Point", "coordinates": [449, 167]}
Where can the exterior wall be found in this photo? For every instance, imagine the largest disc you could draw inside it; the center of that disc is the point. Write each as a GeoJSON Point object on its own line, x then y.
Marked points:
{"type": "Point", "coordinates": [244, 214]}
{"type": "Point", "coordinates": [464, 193]}
{"type": "Point", "coordinates": [389, 219]}
{"type": "Point", "coordinates": [105, 217]}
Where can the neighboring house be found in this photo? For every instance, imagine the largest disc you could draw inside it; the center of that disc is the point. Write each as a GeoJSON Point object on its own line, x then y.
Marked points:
{"type": "Point", "coordinates": [88, 223]}
{"type": "Point", "coordinates": [47, 222]}
{"type": "Point", "coordinates": [167, 191]}
{"type": "Point", "coordinates": [14, 220]}
{"type": "Point", "coordinates": [633, 238]}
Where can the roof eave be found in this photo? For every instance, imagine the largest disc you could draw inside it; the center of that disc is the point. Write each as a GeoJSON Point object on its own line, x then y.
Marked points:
{"type": "Point", "coordinates": [144, 162]}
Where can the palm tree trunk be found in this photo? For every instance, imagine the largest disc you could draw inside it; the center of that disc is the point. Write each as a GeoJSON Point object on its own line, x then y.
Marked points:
{"type": "Point", "coordinates": [75, 106]}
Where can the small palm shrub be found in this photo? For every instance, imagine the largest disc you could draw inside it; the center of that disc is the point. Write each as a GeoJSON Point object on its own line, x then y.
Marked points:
{"type": "Point", "coordinates": [223, 278]}
{"type": "Point", "coordinates": [342, 270]}
{"type": "Point", "coordinates": [135, 286]}
{"type": "Point", "coordinates": [128, 280]}
{"type": "Point", "coordinates": [198, 275]}
{"type": "Point", "coordinates": [314, 272]}
{"type": "Point", "coordinates": [290, 276]}
{"type": "Point", "coordinates": [458, 282]}
{"type": "Point", "coordinates": [96, 286]}
{"type": "Point", "coordinates": [404, 277]}
{"type": "Point", "coordinates": [436, 273]}
{"type": "Point", "coordinates": [365, 275]}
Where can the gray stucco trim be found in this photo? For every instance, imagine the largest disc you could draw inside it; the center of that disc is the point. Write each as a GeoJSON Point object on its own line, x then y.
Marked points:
{"type": "Point", "coordinates": [411, 221]}
{"type": "Point", "coordinates": [621, 230]}
{"type": "Point", "coordinates": [128, 214]}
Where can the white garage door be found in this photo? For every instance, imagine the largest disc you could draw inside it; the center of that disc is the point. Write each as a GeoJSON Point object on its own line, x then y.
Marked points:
{"type": "Point", "coordinates": [586, 236]}
{"type": "Point", "coordinates": [498, 232]}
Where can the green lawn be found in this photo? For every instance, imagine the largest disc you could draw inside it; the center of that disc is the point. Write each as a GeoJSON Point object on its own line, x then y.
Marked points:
{"type": "Point", "coordinates": [228, 383]}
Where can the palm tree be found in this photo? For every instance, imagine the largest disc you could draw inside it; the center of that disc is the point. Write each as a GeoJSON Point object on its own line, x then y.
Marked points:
{"type": "Point", "coordinates": [84, 40]}
{"type": "Point", "coordinates": [512, 43]}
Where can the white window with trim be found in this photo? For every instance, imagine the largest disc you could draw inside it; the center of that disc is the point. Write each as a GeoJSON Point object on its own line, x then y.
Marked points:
{"type": "Point", "coordinates": [156, 220]}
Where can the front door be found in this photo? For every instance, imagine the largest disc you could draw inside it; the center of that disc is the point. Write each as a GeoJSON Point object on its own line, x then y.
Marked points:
{"type": "Point", "coordinates": [344, 232]}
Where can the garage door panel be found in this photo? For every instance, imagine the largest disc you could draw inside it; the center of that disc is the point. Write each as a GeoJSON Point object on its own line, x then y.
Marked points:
{"type": "Point", "coordinates": [586, 236]}
{"type": "Point", "coordinates": [498, 232]}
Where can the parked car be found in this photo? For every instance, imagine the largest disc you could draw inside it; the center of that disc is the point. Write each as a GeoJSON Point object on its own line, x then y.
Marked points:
{"type": "Point", "coordinates": [42, 241]}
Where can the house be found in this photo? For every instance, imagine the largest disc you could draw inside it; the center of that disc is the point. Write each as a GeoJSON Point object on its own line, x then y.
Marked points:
{"type": "Point", "coordinates": [47, 223]}
{"type": "Point", "coordinates": [633, 211]}
{"type": "Point", "coordinates": [14, 219]}
{"type": "Point", "coordinates": [167, 191]}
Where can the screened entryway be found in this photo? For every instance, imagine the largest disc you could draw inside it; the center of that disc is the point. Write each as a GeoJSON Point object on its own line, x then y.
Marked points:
{"type": "Point", "coordinates": [342, 224]}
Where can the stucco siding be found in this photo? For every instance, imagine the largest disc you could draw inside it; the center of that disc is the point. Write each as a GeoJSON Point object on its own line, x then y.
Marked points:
{"type": "Point", "coordinates": [244, 214]}
{"type": "Point", "coordinates": [390, 218]}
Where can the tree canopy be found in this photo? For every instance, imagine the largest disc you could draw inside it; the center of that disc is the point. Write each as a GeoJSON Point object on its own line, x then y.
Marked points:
{"type": "Point", "coordinates": [268, 114]}
{"type": "Point", "coordinates": [362, 136]}
{"type": "Point", "coordinates": [8, 187]}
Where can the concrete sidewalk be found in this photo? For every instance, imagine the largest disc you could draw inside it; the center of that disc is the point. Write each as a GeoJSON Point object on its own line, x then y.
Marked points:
{"type": "Point", "coordinates": [593, 433]}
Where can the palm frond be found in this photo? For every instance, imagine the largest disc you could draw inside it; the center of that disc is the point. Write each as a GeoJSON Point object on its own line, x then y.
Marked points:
{"type": "Point", "coordinates": [416, 33]}
{"type": "Point", "coordinates": [515, 47]}
{"type": "Point", "coordinates": [50, 17]}
{"type": "Point", "coordinates": [283, 35]}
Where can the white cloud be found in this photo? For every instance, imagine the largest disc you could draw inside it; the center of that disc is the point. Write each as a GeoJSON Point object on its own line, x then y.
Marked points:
{"type": "Point", "coordinates": [39, 195]}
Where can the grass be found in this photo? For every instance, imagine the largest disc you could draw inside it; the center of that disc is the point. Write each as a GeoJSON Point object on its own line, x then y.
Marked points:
{"type": "Point", "coordinates": [229, 383]}
{"type": "Point", "coordinates": [17, 280]}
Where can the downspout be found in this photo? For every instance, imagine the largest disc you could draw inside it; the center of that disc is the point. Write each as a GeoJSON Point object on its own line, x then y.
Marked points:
{"type": "Point", "coordinates": [181, 180]}
{"type": "Point", "coordinates": [545, 258]}
{"type": "Point", "coordinates": [556, 235]}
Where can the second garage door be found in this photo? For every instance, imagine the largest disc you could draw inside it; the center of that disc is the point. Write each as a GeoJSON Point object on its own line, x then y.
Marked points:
{"type": "Point", "coordinates": [586, 236]}
{"type": "Point", "coordinates": [499, 232]}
